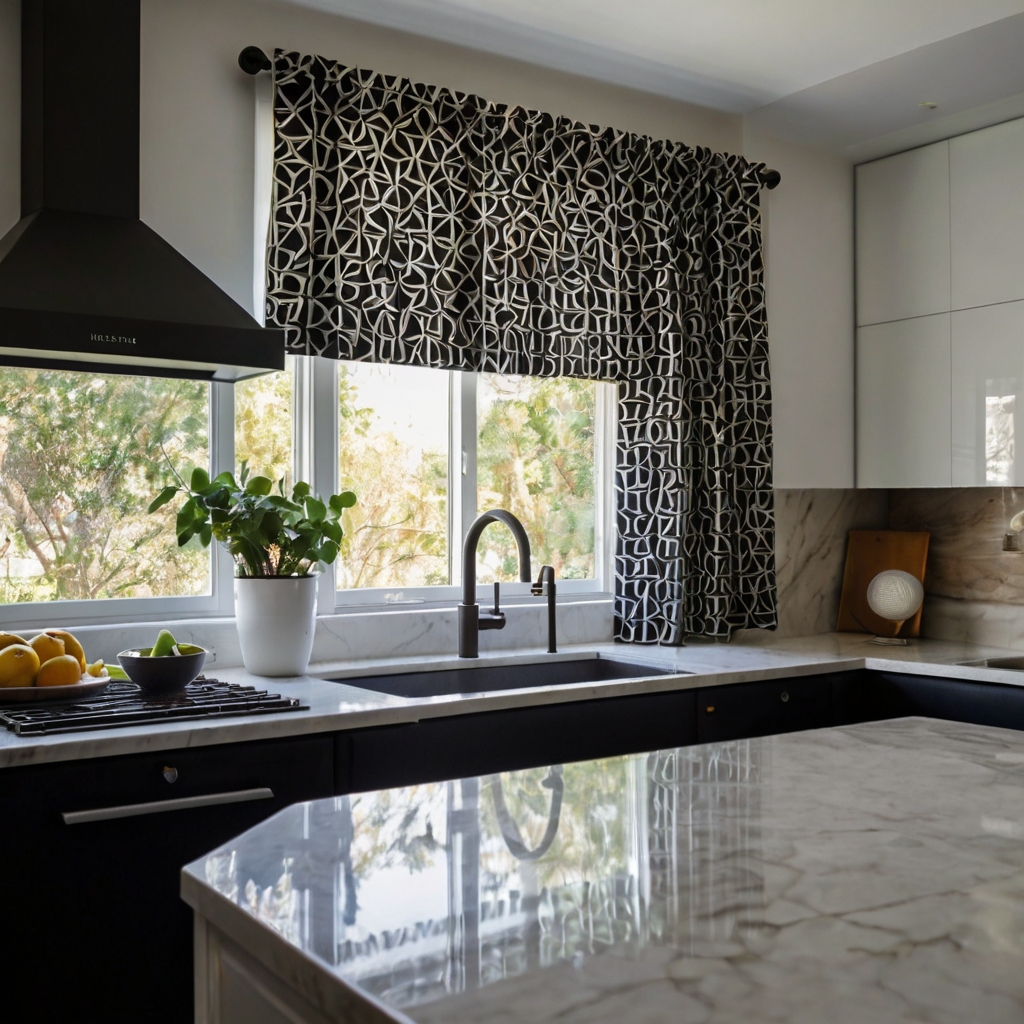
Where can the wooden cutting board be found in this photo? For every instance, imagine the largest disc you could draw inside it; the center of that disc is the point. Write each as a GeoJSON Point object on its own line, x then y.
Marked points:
{"type": "Point", "coordinates": [868, 553]}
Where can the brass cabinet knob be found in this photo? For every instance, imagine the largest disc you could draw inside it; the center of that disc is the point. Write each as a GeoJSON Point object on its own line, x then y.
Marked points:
{"type": "Point", "coordinates": [170, 774]}
{"type": "Point", "coordinates": [710, 709]}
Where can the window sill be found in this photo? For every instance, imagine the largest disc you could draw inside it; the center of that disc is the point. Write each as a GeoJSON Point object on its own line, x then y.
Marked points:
{"type": "Point", "coordinates": [367, 632]}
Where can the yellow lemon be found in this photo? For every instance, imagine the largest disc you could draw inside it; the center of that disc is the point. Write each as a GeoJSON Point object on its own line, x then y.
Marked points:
{"type": "Point", "coordinates": [96, 668]}
{"type": "Point", "coordinates": [63, 670]}
{"type": "Point", "coordinates": [71, 645]}
{"type": "Point", "coordinates": [18, 665]}
{"type": "Point", "coordinates": [47, 647]}
{"type": "Point", "coordinates": [6, 639]}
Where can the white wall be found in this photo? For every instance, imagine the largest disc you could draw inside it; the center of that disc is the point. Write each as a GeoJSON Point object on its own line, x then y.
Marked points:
{"type": "Point", "coordinates": [197, 110]}
{"type": "Point", "coordinates": [810, 295]}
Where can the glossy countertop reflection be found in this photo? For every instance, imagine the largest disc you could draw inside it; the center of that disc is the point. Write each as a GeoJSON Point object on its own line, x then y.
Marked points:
{"type": "Point", "coordinates": [865, 873]}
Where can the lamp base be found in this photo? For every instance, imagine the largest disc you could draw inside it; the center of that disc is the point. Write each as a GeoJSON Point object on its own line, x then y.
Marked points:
{"type": "Point", "coordinates": [889, 641]}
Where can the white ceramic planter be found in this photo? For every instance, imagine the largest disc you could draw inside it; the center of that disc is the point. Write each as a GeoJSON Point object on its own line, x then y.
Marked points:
{"type": "Point", "coordinates": [276, 617]}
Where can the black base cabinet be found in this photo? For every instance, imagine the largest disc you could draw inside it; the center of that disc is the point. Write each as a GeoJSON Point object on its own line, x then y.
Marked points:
{"type": "Point", "coordinates": [868, 696]}
{"type": "Point", "coordinates": [763, 709]}
{"type": "Point", "coordinates": [94, 926]}
{"type": "Point", "coordinates": [462, 745]}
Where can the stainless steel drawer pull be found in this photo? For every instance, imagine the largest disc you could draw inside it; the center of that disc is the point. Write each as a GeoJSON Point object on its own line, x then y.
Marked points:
{"type": "Point", "coordinates": [185, 803]}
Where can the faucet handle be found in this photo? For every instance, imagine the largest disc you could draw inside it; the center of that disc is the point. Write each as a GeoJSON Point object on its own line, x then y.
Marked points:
{"type": "Point", "coordinates": [496, 610]}
{"type": "Point", "coordinates": [546, 575]}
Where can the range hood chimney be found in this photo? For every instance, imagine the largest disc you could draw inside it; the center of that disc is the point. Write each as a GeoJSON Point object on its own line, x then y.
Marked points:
{"type": "Point", "coordinates": [84, 284]}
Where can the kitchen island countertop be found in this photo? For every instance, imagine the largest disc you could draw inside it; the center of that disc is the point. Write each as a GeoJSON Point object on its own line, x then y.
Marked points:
{"type": "Point", "coordinates": [335, 706]}
{"type": "Point", "coordinates": [865, 873]}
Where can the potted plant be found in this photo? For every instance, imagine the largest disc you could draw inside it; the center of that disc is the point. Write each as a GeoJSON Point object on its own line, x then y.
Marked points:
{"type": "Point", "coordinates": [278, 543]}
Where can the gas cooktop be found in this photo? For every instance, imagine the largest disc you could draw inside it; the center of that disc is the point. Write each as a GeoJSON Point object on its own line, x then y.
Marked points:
{"type": "Point", "coordinates": [123, 703]}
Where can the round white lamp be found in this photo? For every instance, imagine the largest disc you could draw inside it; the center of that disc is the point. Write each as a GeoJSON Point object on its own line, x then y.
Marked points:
{"type": "Point", "coordinates": [894, 595]}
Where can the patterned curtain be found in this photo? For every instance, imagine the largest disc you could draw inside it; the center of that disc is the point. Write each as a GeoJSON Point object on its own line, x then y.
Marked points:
{"type": "Point", "coordinates": [415, 225]}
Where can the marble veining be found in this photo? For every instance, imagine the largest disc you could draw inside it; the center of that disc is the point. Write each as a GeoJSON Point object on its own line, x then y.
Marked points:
{"type": "Point", "coordinates": [965, 557]}
{"type": "Point", "coordinates": [810, 552]}
{"type": "Point", "coordinates": [866, 873]}
{"type": "Point", "coordinates": [974, 589]}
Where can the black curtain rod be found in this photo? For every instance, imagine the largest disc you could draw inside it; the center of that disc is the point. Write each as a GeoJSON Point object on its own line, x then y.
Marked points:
{"type": "Point", "coordinates": [252, 60]}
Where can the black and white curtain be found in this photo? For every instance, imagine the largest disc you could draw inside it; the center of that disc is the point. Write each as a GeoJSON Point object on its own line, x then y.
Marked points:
{"type": "Point", "coordinates": [412, 224]}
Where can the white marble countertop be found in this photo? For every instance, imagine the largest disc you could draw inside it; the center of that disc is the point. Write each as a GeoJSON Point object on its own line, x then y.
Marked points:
{"type": "Point", "coordinates": [335, 706]}
{"type": "Point", "coordinates": [870, 873]}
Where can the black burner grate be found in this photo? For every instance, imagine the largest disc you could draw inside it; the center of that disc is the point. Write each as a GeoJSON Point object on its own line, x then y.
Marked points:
{"type": "Point", "coordinates": [123, 704]}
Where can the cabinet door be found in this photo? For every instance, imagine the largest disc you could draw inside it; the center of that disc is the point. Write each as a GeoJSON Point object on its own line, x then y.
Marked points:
{"type": "Point", "coordinates": [103, 934]}
{"type": "Point", "coordinates": [988, 396]}
{"type": "Point", "coordinates": [903, 404]}
{"type": "Point", "coordinates": [742, 710]}
{"type": "Point", "coordinates": [903, 235]}
{"type": "Point", "coordinates": [987, 215]}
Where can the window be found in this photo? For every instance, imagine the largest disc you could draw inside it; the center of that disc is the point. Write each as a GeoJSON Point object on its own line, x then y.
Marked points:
{"type": "Point", "coordinates": [427, 450]}
{"type": "Point", "coordinates": [82, 455]}
{"type": "Point", "coordinates": [393, 452]}
{"type": "Point", "coordinates": [536, 458]}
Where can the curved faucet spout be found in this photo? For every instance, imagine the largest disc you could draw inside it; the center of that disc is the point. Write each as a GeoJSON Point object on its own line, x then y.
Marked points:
{"type": "Point", "coordinates": [496, 515]}
{"type": "Point", "coordinates": [471, 621]}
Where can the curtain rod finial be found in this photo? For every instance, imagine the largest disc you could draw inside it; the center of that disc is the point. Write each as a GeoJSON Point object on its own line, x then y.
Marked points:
{"type": "Point", "coordinates": [252, 60]}
{"type": "Point", "coordinates": [771, 179]}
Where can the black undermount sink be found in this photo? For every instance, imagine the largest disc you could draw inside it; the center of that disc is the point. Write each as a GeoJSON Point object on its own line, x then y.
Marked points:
{"type": "Point", "coordinates": [482, 678]}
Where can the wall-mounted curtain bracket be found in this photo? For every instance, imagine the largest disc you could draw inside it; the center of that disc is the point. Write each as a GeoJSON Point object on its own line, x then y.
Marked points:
{"type": "Point", "coordinates": [252, 60]}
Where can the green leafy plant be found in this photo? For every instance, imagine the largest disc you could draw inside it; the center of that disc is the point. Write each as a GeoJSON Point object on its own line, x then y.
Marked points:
{"type": "Point", "coordinates": [267, 534]}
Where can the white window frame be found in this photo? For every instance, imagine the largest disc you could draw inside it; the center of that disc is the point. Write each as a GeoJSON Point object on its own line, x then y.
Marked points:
{"type": "Point", "coordinates": [315, 456]}
{"type": "Point", "coordinates": [317, 459]}
{"type": "Point", "coordinates": [106, 611]}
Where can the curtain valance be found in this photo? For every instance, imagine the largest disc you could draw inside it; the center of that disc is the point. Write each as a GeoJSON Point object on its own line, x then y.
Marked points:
{"type": "Point", "coordinates": [416, 225]}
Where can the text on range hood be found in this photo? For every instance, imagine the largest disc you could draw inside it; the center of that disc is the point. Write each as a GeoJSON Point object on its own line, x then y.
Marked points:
{"type": "Point", "coordinates": [84, 284]}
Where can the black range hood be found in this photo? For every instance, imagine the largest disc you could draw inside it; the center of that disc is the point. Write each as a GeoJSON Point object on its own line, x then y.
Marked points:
{"type": "Point", "coordinates": [84, 284]}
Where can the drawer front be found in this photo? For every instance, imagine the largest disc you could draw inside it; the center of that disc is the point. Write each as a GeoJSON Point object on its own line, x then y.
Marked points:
{"type": "Point", "coordinates": [285, 766]}
{"type": "Point", "coordinates": [763, 709]}
{"type": "Point", "coordinates": [464, 745]}
{"type": "Point", "coordinates": [892, 695]}
{"type": "Point", "coordinates": [107, 887]}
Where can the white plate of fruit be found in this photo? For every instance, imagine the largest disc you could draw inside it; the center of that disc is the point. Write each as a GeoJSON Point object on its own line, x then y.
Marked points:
{"type": "Point", "coordinates": [49, 666]}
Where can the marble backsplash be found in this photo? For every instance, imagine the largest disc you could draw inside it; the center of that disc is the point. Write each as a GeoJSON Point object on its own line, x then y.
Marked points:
{"type": "Point", "coordinates": [810, 551]}
{"type": "Point", "coordinates": [974, 589]}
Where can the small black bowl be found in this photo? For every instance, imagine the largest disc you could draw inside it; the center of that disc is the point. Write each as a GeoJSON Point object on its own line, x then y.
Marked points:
{"type": "Point", "coordinates": [169, 674]}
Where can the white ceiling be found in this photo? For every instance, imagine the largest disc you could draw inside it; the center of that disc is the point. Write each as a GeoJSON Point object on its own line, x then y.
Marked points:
{"type": "Point", "coordinates": [810, 62]}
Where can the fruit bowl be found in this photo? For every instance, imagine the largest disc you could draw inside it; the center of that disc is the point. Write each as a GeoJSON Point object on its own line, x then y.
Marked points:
{"type": "Point", "coordinates": [168, 674]}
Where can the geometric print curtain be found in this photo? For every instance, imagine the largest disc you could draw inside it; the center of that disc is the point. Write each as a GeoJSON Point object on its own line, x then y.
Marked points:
{"type": "Point", "coordinates": [412, 224]}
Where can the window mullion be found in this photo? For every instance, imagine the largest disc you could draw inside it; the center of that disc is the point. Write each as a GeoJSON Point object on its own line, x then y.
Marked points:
{"type": "Point", "coordinates": [222, 459]}
{"type": "Point", "coordinates": [462, 465]}
{"type": "Point", "coordinates": [605, 426]}
{"type": "Point", "coordinates": [317, 421]}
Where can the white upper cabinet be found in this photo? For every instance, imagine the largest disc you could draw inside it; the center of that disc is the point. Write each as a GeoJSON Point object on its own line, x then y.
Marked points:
{"type": "Point", "coordinates": [903, 406]}
{"type": "Point", "coordinates": [903, 255]}
{"type": "Point", "coordinates": [988, 396]}
{"type": "Point", "coordinates": [987, 215]}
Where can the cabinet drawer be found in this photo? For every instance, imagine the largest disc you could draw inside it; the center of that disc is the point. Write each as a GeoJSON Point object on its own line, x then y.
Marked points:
{"type": "Point", "coordinates": [287, 767]}
{"type": "Point", "coordinates": [763, 709]}
{"type": "Point", "coordinates": [107, 886]}
{"type": "Point", "coordinates": [464, 745]}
